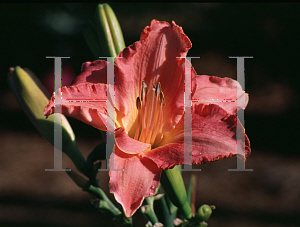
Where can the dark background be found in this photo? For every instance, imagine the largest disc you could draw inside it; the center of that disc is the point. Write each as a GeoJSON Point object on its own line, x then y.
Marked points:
{"type": "Point", "coordinates": [268, 196]}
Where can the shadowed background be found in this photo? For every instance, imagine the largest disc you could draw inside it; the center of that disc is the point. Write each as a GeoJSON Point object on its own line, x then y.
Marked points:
{"type": "Point", "coordinates": [268, 196]}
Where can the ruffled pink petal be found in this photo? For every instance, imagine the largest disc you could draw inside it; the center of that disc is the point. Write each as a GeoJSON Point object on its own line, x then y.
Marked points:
{"type": "Point", "coordinates": [129, 145]}
{"type": "Point", "coordinates": [92, 72]}
{"type": "Point", "coordinates": [213, 138]}
{"type": "Point", "coordinates": [224, 92]}
{"type": "Point", "coordinates": [88, 105]}
{"type": "Point", "coordinates": [139, 178]}
{"type": "Point", "coordinates": [154, 59]}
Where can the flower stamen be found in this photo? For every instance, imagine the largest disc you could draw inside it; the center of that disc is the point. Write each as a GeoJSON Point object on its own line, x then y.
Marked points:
{"type": "Point", "coordinates": [150, 114]}
{"type": "Point", "coordinates": [138, 106]}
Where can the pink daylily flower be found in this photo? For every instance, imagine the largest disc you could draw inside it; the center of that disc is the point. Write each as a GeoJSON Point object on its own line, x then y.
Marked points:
{"type": "Point", "coordinates": [149, 110]}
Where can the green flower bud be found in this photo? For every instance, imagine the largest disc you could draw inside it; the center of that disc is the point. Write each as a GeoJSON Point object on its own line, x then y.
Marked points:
{"type": "Point", "coordinates": [32, 97]}
{"type": "Point", "coordinates": [203, 213]}
{"type": "Point", "coordinates": [115, 28]}
{"type": "Point", "coordinates": [109, 31]}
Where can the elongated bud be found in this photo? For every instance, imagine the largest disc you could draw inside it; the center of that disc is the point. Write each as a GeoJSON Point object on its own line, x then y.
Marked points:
{"type": "Point", "coordinates": [203, 213]}
{"type": "Point", "coordinates": [104, 33]}
{"type": "Point", "coordinates": [173, 185]}
{"type": "Point", "coordinates": [32, 97]}
{"type": "Point", "coordinates": [108, 30]}
{"type": "Point", "coordinates": [115, 28]}
{"type": "Point", "coordinates": [91, 38]}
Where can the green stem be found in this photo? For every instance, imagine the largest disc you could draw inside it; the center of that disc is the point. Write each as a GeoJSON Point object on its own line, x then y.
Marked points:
{"type": "Point", "coordinates": [148, 210]}
{"type": "Point", "coordinates": [106, 204]}
{"type": "Point", "coordinates": [165, 216]}
{"type": "Point", "coordinates": [194, 223]}
{"type": "Point", "coordinates": [173, 185]}
{"type": "Point", "coordinates": [99, 193]}
{"type": "Point", "coordinates": [191, 192]}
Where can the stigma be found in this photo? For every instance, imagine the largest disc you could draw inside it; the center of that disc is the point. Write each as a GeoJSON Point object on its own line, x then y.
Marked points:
{"type": "Point", "coordinates": [150, 105]}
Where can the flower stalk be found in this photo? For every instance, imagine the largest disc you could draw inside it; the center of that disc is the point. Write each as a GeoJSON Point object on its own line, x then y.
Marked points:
{"type": "Point", "coordinates": [148, 210]}
{"type": "Point", "coordinates": [105, 202]}
{"type": "Point", "coordinates": [173, 185]}
{"type": "Point", "coordinates": [102, 203]}
{"type": "Point", "coordinates": [164, 213]}
{"type": "Point", "coordinates": [191, 193]}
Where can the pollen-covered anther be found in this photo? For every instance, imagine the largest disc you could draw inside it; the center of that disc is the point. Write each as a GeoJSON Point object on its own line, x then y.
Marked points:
{"type": "Point", "coordinates": [144, 90]}
{"type": "Point", "coordinates": [158, 90]}
{"type": "Point", "coordinates": [149, 119]}
{"type": "Point", "coordinates": [162, 99]}
{"type": "Point", "coordinates": [138, 106]}
{"type": "Point", "coordinates": [138, 103]}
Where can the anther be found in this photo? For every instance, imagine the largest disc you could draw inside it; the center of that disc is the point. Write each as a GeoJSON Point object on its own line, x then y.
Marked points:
{"type": "Point", "coordinates": [150, 113]}
{"type": "Point", "coordinates": [138, 103]}
{"type": "Point", "coordinates": [144, 90]}
{"type": "Point", "coordinates": [162, 99]}
{"type": "Point", "coordinates": [138, 106]}
{"type": "Point", "coordinates": [158, 90]}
